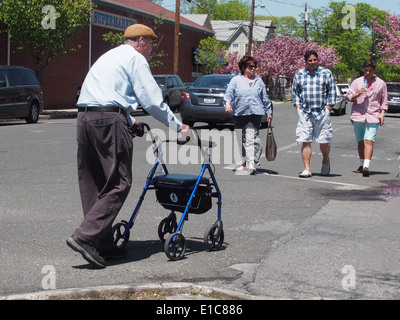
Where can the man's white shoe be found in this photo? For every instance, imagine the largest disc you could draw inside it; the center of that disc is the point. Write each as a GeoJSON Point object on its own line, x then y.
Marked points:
{"type": "Point", "coordinates": [326, 168]}
{"type": "Point", "coordinates": [305, 174]}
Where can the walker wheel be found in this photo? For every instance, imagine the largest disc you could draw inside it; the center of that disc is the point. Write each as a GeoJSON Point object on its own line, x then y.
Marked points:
{"type": "Point", "coordinates": [214, 237]}
{"type": "Point", "coordinates": [118, 231]}
{"type": "Point", "coordinates": [167, 225]}
{"type": "Point", "coordinates": [175, 246]}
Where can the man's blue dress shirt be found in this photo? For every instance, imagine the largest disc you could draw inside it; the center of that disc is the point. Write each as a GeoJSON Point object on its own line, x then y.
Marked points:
{"type": "Point", "coordinates": [122, 78]}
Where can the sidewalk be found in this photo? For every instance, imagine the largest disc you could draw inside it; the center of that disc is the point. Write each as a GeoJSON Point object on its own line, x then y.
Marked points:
{"type": "Point", "coordinates": [168, 291]}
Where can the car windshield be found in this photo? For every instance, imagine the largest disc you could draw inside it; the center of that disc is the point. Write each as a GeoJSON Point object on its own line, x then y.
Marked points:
{"type": "Point", "coordinates": [393, 87]}
{"type": "Point", "coordinates": [160, 81]}
{"type": "Point", "coordinates": [213, 82]}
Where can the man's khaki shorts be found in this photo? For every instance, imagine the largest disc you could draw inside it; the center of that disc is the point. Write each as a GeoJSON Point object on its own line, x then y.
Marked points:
{"type": "Point", "coordinates": [311, 130]}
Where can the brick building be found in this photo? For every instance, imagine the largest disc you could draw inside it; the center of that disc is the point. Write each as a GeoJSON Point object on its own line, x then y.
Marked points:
{"type": "Point", "coordinates": [64, 75]}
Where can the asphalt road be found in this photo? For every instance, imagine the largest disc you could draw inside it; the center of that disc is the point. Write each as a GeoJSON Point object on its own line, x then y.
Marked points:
{"type": "Point", "coordinates": [324, 237]}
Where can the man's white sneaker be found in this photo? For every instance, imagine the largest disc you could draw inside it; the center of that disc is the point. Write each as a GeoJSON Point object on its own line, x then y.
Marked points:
{"type": "Point", "coordinates": [305, 174]}
{"type": "Point", "coordinates": [326, 168]}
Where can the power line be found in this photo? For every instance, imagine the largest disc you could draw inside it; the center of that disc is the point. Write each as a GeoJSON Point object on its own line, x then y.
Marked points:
{"type": "Point", "coordinates": [288, 3]}
{"type": "Point", "coordinates": [285, 3]}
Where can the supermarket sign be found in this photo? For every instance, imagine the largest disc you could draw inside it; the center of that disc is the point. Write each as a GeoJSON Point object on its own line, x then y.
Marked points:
{"type": "Point", "coordinates": [111, 21]}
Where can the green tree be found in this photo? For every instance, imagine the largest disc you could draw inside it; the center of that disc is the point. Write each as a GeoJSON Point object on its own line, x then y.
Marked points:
{"type": "Point", "coordinates": [43, 27]}
{"type": "Point", "coordinates": [219, 10]}
{"type": "Point", "coordinates": [285, 26]}
{"type": "Point", "coordinates": [199, 7]}
{"type": "Point", "coordinates": [350, 34]}
{"type": "Point", "coordinates": [117, 39]}
{"type": "Point", "coordinates": [231, 10]}
{"type": "Point", "coordinates": [210, 55]}
{"type": "Point", "coordinates": [388, 73]}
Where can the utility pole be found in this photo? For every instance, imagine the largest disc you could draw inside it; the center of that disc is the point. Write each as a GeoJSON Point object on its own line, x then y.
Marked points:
{"type": "Point", "coordinates": [90, 36]}
{"type": "Point", "coordinates": [176, 35]}
{"type": "Point", "coordinates": [305, 23]}
{"type": "Point", "coordinates": [251, 28]}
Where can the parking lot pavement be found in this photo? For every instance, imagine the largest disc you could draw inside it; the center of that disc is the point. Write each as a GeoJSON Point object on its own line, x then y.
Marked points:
{"type": "Point", "coordinates": [348, 250]}
{"type": "Point", "coordinates": [285, 236]}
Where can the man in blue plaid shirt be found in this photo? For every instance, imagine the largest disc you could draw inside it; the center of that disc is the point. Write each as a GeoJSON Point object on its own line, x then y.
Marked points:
{"type": "Point", "coordinates": [314, 95]}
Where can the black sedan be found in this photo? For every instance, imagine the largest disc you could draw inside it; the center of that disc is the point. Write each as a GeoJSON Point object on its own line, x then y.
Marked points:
{"type": "Point", "coordinates": [203, 101]}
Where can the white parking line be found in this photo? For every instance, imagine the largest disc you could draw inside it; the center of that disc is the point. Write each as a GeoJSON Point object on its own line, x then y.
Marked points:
{"type": "Point", "coordinates": [341, 185]}
{"type": "Point", "coordinates": [288, 147]}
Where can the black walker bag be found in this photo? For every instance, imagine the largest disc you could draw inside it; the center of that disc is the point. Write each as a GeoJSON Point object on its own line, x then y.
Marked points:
{"type": "Point", "coordinates": [173, 192]}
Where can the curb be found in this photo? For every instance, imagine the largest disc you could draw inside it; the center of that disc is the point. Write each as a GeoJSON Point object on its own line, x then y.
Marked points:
{"type": "Point", "coordinates": [189, 288]}
{"type": "Point", "coordinates": [60, 114]}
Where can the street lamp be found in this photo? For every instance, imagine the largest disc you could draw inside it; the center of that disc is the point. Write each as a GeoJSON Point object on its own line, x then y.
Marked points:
{"type": "Point", "coordinates": [251, 26]}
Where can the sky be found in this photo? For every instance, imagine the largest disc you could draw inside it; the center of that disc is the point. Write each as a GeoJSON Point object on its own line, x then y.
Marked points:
{"type": "Point", "coordinates": [294, 8]}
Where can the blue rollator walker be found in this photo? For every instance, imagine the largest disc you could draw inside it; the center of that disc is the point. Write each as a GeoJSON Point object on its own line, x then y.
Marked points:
{"type": "Point", "coordinates": [183, 193]}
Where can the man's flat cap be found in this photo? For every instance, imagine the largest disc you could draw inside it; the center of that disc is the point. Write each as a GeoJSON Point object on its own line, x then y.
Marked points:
{"type": "Point", "coordinates": [139, 30]}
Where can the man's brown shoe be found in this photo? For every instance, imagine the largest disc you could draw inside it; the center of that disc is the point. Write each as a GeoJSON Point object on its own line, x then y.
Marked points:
{"type": "Point", "coordinates": [365, 172]}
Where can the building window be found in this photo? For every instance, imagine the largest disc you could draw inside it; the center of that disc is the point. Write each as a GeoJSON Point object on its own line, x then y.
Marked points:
{"type": "Point", "coordinates": [235, 47]}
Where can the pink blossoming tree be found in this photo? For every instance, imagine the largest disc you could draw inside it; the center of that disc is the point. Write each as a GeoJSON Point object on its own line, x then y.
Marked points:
{"type": "Point", "coordinates": [283, 56]}
{"type": "Point", "coordinates": [389, 42]}
{"type": "Point", "coordinates": [232, 58]}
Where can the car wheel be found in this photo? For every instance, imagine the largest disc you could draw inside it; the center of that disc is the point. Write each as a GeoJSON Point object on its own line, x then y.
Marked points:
{"type": "Point", "coordinates": [33, 116]}
{"type": "Point", "coordinates": [336, 112]}
{"type": "Point", "coordinates": [166, 100]}
{"type": "Point", "coordinates": [189, 123]}
{"type": "Point", "coordinates": [344, 105]}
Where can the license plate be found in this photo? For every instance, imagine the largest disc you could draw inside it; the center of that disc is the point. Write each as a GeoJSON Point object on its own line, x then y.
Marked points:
{"type": "Point", "coordinates": [209, 100]}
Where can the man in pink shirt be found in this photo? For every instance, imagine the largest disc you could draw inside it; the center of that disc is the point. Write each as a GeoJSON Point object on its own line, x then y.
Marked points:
{"type": "Point", "coordinates": [370, 103]}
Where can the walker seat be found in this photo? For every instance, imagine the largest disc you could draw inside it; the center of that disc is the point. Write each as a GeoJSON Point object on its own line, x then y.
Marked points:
{"type": "Point", "coordinates": [179, 179]}
{"type": "Point", "coordinates": [173, 192]}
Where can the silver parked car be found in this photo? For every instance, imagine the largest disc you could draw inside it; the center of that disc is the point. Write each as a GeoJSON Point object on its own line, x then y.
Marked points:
{"type": "Point", "coordinates": [344, 87]}
{"type": "Point", "coordinates": [341, 103]}
{"type": "Point", "coordinates": [203, 101]}
{"type": "Point", "coordinates": [172, 88]}
{"type": "Point", "coordinates": [393, 89]}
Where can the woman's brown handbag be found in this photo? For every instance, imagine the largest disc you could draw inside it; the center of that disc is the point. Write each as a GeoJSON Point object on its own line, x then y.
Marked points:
{"type": "Point", "coordinates": [270, 148]}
